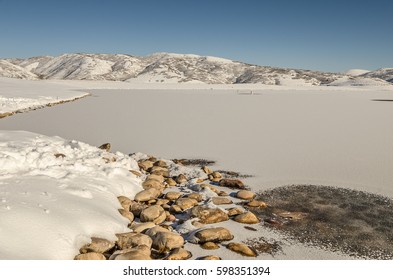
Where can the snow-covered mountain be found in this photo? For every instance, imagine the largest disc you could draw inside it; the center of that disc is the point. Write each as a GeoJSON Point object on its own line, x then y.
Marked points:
{"type": "Point", "coordinates": [171, 68]}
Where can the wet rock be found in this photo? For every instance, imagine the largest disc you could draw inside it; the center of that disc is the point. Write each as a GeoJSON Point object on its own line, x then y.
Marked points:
{"type": "Point", "coordinates": [141, 252]}
{"type": "Point", "coordinates": [179, 254]}
{"type": "Point", "coordinates": [186, 203]}
{"type": "Point", "coordinates": [147, 195]}
{"type": "Point", "coordinates": [210, 246]}
{"type": "Point", "coordinates": [181, 179]}
{"type": "Point", "coordinates": [127, 214]}
{"type": "Point", "coordinates": [132, 239]}
{"type": "Point", "coordinates": [145, 164]}
{"type": "Point", "coordinates": [246, 195]}
{"type": "Point", "coordinates": [90, 257]}
{"type": "Point", "coordinates": [142, 226]}
{"type": "Point", "coordinates": [125, 202]}
{"type": "Point", "coordinates": [246, 218]}
{"type": "Point", "coordinates": [97, 245]}
{"type": "Point", "coordinates": [173, 195]}
{"type": "Point", "coordinates": [170, 182]}
{"type": "Point", "coordinates": [235, 211]}
{"type": "Point", "coordinates": [221, 200]}
{"type": "Point", "coordinates": [155, 214]}
{"type": "Point", "coordinates": [106, 147]}
{"type": "Point", "coordinates": [232, 183]}
{"type": "Point", "coordinates": [242, 249]}
{"type": "Point", "coordinates": [218, 234]}
{"type": "Point", "coordinates": [208, 215]}
{"type": "Point", "coordinates": [167, 241]}
{"type": "Point", "coordinates": [257, 203]}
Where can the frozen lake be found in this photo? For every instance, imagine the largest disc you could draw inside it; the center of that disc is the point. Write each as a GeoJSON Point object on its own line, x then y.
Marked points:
{"type": "Point", "coordinates": [333, 138]}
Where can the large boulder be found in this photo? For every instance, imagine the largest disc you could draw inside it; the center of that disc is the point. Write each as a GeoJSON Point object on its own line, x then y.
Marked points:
{"type": "Point", "coordinates": [147, 195]}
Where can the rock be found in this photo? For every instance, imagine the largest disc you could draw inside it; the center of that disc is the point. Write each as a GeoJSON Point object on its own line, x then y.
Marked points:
{"type": "Point", "coordinates": [210, 246]}
{"type": "Point", "coordinates": [186, 203]}
{"type": "Point", "coordinates": [136, 173]}
{"type": "Point", "coordinates": [155, 214]}
{"type": "Point", "coordinates": [154, 230]}
{"type": "Point", "coordinates": [159, 171]}
{"type": "Point", "coordinates": [142, 227]}
{"type": "Point", "coordinates": [59, 155]}
{"type": "Point", "coordinates": [173, 195]}
{"type": "Point", "coordinates": [152, 159]}
{"type": "Point", "coordinates": [136, 208]}
{"type": "Point", "coordinates": [170, 182]}
{"type": "Point", "coordinates": [170, 218]}
{"type": "Point", "coordinates": [148, 184]}
{"type": "Point", "coordinates": [246, 218]}
{"type": "Point", "coordinates": [176, 209]}
{"type": "Point", "coordinates": [179, 254]}
{"type": "Point", "coordinates": [232, 184]}
{"type": "Point", "coordinates": [167, 241]}
{"type": "Point", "coordinates": [208, 215]}
{"type": "Point", "coordinates": [197, 196]}
{"type": "Point", "coordinates": [132, 239]}
{"type": "Point", "coordinates": [97, 245]}
{"type": "Point", "coordinates": [218, 234]}
{"type": "Point", "coordinates": [106, 147]}
{"type": "Point", "coordinates": [242, 249]}
{"type": "Point", "coordinates": [216, 175]}
{"type": "Point", "coordinates": [210, 258]}
{"type": "Point", "coordinates": [125, 202]}
{"type": "Point", "coordinates": [162, 201]}
{"type": "Point", "coordinates": [235, 211]}
{"type": "Point", "coordinates": [92, 256]}
{"type": "Point", "coordinates": [221, 200]}
{"type": "Point", "coordinates": [257, 203]}
{"type": "Point", "coordinates": [145, 164]}
{"type": "Point", "coordinates": [156, 177]}
{"type": "Point", "coordinates": [181, 179]}
{"type": "Point", "coordinates": [147, 195]}
{"type": "Point", "coordinates": [141, 252]}
{"type": "Point", "coordinates": [127, 214]}
{"type": "Point", "coordinates": [222, 193]}
{"type": "Point", "coordinates": [212, 188]}
{"type": "Point", "coordinates": [200, 180]}
{"type": "Point", "coordinates": [246, 195]}
{"type": "Point", "coordinates": [161, 163]}
{"type": "Point", "coordinates": [207, 170]}
{"type": "Point", "coordinates": [197, 224]}
{"type": "Point", "coordinates": [293, 215]}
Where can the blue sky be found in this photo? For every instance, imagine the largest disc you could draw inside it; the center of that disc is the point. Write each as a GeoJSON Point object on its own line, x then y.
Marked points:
{"type": "Point", "coordinates": [321, 35]}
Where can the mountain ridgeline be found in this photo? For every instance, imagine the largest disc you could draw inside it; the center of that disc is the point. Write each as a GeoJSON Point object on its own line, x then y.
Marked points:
{"type": "Point", "coordinates": [177, 68]}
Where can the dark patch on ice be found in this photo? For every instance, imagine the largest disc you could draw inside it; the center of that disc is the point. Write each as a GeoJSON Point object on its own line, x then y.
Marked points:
{"type": "Point", "coordinates": [352, 222]}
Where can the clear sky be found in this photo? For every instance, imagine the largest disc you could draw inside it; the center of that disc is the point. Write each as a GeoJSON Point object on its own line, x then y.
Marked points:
{"type": "Point", "coordinates": [326, 35]}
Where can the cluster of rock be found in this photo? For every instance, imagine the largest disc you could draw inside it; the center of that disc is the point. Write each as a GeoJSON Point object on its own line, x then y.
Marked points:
{"type": "Point", "coordinates": [175, 209]}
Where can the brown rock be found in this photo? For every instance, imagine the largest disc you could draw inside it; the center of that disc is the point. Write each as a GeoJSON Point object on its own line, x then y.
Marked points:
{"type": "Point", "coordinates": [97, 245]}
{"type": "Point", "coordinates": [208, 215]}
{"type": "Point", "coordinates": [222, 193]}
{"type": "Point", "coordinates": [92, 256]}
{"type": "Point", "coordinates": [210, 246]}
{"type": "Point", "coordinates": [179, 254]}
{"type": "Point", "coordinates": [210, 258]}
{"type": "Point", "coordinates": [170, 182]}
{"type": "Point", "coordinates": [153, 184]}
{"type": "Point", "coordinates": [136, 173]}
{"type": "Point", "coordinates": [221, 200]}
{"type": "Point", "coordinates": [181, 179]}
{"type": "Point", "coordinates": [167, 241]}
{"type": "Point", "coordinates": [154, 230]}
{"type": "Point", "coordinates": [156, 177]}
{"type": "Point", "coordinates": [145, 164]}
{"type": "Point", "coordinates": [161, 163]}
{"type": "Point", "coordinates": [147, 195]}
{"type": "Point", "coordinates": [242, 249]}
{"type": "Point", "coordinates": [127, 214]}
{"type": "Point", "coordinates": [232, 183]}
{"type": "Point", "coordinates": [59, 155]}
{"type": "Point", "coordinates": [155, 214]}
{"type": "Point", "coordinates": [136, 208]}
{"type": "Point", "coordinates": [257, 203]}
{"type": "Point", "coordinates": [157, 170]}
{"type": "Point", "coordinates": [170, 218]}
{"type": "Point", "coordinates": [162, 201]}
{"type": "Point", "coordinates": [132, 239]}
{"type": "Point", "coordinates": [106, 147]}
{"type": "Point", "coordinates": [125, 202]}
{"type": "Point", "coordinates": [173, 195]}
{"type": "Point", "coordinates": [216, 175]}
{"type": "Point", "coordinates": [207, 170]}
{"type": "Point", "coordinates": [175, 209]}
{"type": "Point", "coordinates": [141, 252]}
{"type": "Point", "coordinates": [246, 218]}
{"type": "Point", "coordinates": [200, 180]}
{"type": "Point", "coordinates": [197, 196]}
{"type": "Point", "coordinates": [186, 203]}
{"type": "Point", "coordinates": [218, 234]}
{"type": "Point", "coordinates": [212, 188]}
{"type": "Point", "coordinates": [235, 211]}
{"type": "Point", "coordinates": [246, 195]}
{"type": "Point", "coordinates": [142, 227]}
